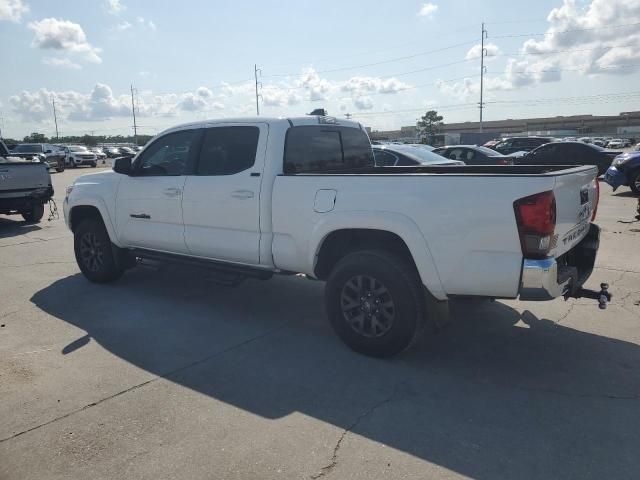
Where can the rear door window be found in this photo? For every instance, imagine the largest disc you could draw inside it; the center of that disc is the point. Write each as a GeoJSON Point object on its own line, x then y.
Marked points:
{"type": "Point", "coordinates": [228, 150]}
{"type": "Point", "coordinates": [310, 149]}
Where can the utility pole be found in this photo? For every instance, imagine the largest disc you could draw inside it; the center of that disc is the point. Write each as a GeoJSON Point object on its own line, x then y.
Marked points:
{"type": "Point", "coordinates": [133, 109]}
{"type": "Point", "coordinates": [55, 117]}
{"type": "Point", "coordinates": [255, 72]}
{"type": "Point", "coordinates": [482, 54]}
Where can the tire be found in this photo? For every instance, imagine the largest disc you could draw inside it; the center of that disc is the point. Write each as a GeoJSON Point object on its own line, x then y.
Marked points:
{"type": "Point", "coordinates": [59, 169]}
{"type": "Point", "coordinates": [95, 253]}
{"type": "Point", "coordinates": [380, 319]}
{"type": "Point", "coordinates": [35, 214]}
{"type": "Point", "coordinates": [93, 165]}
{"type": "Point", "coordinates": [634, 182]}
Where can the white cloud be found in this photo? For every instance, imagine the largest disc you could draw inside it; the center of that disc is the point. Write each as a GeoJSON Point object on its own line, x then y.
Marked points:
{"type": "Point", "coordinates": [474, 52]}
{"type": "Point", "coordinates": [359, 85]}
{"type": "Point", "coordinates": [578, 39]}
{"type": "Point", "coordinates": [63, 35]}
{"type": "Point", "coordinates": [61, 62]}
{"type": "Point", "coordinates": [147, 23]}
{"type": "Point", "coordinates": [274, 96]}
{"type": "Point", "coordinates": [363, 103]}
{"type": "Point", "coordinates": [12, 10]}
{"type": "Point", "coordinates": [201, 99]}
{"type": "Point", "coordinates": [114, 7]}
{"type": "Point", "coordinates": [317, 88]}
{"type": "Point", "coordinates": [428, 10]}
{"type": "Point", "coordinates": [122, 26]}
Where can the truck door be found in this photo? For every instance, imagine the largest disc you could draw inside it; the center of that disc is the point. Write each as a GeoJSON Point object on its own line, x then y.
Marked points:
{"type": "Point", "coordinates": [221, 202]}
{"type": "Point", "coordinates": [149, 201]}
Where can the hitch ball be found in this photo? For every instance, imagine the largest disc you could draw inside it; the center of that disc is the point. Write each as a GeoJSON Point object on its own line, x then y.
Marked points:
{"type": "Point", "coordinates": [604, 296]}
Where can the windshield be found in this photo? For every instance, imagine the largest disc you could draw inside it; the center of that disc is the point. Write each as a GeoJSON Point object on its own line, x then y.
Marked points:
{"type": "Point", "coordinates": [78, 149]}
{"type": "Point", "coordinates": [419, 154]}
{"type": "Point", "coordinates": [27, 148]}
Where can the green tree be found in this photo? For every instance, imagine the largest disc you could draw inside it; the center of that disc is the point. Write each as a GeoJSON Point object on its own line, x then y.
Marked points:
{"type": "Point", "coordinates": [89, 140]}
{"type": "Point", "coordinates": [429, 125]}
{"type": "Point", "coordinates": [35, 138]}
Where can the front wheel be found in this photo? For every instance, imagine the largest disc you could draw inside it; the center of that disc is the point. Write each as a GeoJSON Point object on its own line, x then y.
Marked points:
{"type": "Point", "coordinates": [95, 253]}
{"type": "Point", "coordinates": [635, 182]}
{"type": "Point", "coordinates": [93, 165]}
{"type": "Point", "coordinates": [35, 214]}
{"type": "Point", "coordinates": [375, 304]}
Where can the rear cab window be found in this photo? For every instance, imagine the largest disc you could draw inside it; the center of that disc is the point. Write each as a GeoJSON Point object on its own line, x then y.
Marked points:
{"type": "Point", "coordinates": [326, 148]}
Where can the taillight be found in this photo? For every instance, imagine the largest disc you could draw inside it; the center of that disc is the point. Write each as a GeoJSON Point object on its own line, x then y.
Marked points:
{"type": "Point", "coordinates": [597, 200]}
{"type": "Point", "coordinates": [536, 219]}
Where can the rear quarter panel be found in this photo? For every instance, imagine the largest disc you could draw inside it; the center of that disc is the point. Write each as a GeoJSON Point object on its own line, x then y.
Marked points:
{"type": "Point", "coordinates": [460, 229]}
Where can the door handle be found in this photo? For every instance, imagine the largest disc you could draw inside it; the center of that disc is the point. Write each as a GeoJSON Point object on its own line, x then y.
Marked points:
{"type": "Point", "coordinates": [140, 215]}
{"type": "Point", "coordinates": [172, 192]}
{"type": "Point", "coordinates": [242, 194]}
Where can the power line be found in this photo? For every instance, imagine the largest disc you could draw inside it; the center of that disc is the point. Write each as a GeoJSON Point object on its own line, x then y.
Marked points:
{"type": "Point", "coordinates": [559, 32]}
{"type": "Point", "coordinates": [373, 64]}
{"type": "Point", "coordinates": [551, 52]}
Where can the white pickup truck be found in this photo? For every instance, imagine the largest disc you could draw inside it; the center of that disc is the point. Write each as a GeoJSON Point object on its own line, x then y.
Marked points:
{"type": "Point", "coordinates": [263, 196]}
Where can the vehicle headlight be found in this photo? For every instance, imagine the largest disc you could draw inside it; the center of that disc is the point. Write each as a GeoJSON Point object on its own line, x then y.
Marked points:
{"type": "Point", "coordinates": [619, 161]}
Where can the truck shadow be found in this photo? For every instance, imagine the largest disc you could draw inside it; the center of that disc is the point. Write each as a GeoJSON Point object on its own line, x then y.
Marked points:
{"type": "Point", "coordinates": [12, 228]}
{"type": "Point", "coordinates": [497, 394]}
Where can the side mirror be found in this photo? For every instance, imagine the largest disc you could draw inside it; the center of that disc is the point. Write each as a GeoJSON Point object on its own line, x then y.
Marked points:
{"type": "Point", "coordinates": [122, 165]}
{"type": "Point", "coordinates": [47, 151]}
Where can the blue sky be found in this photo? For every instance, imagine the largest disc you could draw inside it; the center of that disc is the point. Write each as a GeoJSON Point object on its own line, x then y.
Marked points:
{"type": "Point", "coordinates": [385, 63]}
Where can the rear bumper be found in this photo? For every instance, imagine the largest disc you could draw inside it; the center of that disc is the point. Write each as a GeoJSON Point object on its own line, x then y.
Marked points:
{"type": "Point", "coordinates": [23, 200]}
{"type": "Point", "coordinates": [550, 278]}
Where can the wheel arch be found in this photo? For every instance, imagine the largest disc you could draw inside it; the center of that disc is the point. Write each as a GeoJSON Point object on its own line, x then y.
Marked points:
{"type": "Point", "coordinates": [92, 209]}
{"type": "Point", "coordinates": [344, 233]}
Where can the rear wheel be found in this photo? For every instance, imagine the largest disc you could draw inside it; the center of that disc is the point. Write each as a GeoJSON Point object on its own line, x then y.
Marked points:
{"type": "Point", "coordinates": [95, 253]}
{"type": "Point", "coordinates": [374, 301]}
{"type": "Point", "coordinates": [635, 182]}
{"type": "Point", "coordinates": [35, 214]}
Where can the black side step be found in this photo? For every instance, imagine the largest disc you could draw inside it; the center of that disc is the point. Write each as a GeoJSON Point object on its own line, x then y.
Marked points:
{"type": "Point", "coordinates": [232, 273]}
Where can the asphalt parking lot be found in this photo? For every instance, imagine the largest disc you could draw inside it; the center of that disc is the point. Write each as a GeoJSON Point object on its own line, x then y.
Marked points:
{"type": "Point", "coordinates": [166, 374]}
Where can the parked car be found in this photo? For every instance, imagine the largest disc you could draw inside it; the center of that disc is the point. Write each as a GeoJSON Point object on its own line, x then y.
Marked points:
{"type": "Point", "coordinates": [99, 153]}
{"type": "Point", "coordinates": [422, 145]}
{"type": "Point", "coordinates": [43, 152]}
{"type": "Point", "coordinates": [598, 141]}
{"type": "Point", "coordinates": [474, 155]}
{"type": "Point", "coordinates": [617, 143]}
{"type": "Point", "coordinates": [625, 170]}
{"type": "Point", "coordinates": [78, 155]}
{"type": "Point", "coordinates": [520, 144]}
{"type": "Point", "coordinates": [113, 152]}
{"type": "Point", "coordinates": [585, 139]}
{"type": "Point", "coordinates": [405, 155]}
{"type": "Point", "coordinates": [393, 244]}
{"type": "Point", "coordinates": [127, 152]}
{"type": "Point", "coordinates": [570, 153]}
{"type": "Point", "coordinates": [491, 143]}
{"type": "Point", "coordinates": [25, 186]}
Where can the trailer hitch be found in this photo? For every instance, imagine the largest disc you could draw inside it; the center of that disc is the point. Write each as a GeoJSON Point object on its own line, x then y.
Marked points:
{"type": "Point", "coordinates": [603, 296]}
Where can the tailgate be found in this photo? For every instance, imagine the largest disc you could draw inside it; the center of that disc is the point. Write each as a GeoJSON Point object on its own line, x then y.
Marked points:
{"type": "Point", "coordinates": [576, 197]}
{"type": "Point", "coordinates": [19, 179]}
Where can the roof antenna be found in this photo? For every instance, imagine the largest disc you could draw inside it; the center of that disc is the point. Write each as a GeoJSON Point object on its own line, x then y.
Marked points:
{"type": "Point", "coordinates": [319, 111]}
